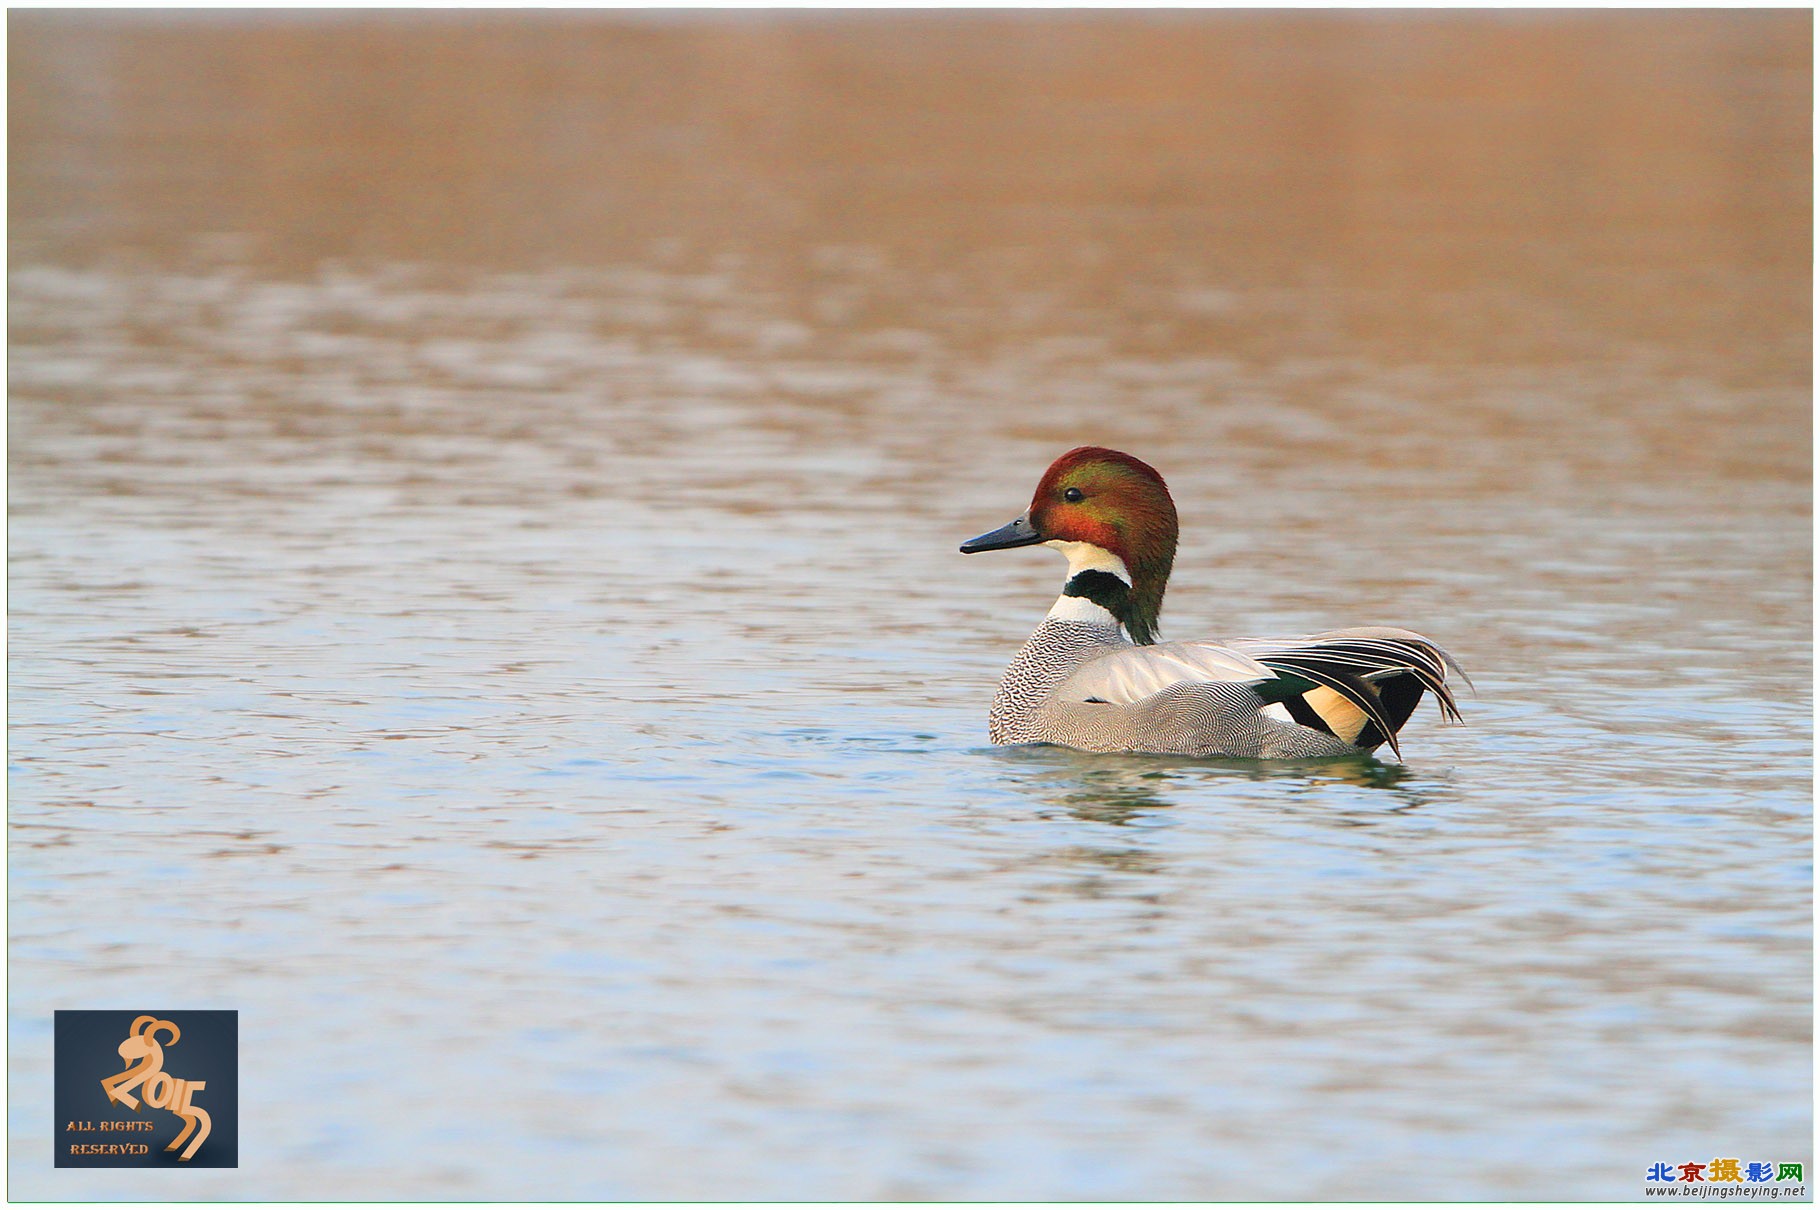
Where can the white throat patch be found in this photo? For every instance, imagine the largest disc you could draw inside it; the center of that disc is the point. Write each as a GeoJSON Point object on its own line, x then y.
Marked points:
{"type": "Point", "coordinates": [1085, 556]}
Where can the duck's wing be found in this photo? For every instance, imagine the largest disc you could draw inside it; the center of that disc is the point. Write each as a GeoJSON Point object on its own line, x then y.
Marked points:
{"type": "Point", "coordinates": [1131, 674]}
{"type": "Point", "coordinates": [1359, 684]}
{"type": "Point", "coordinates": [1377, 674]}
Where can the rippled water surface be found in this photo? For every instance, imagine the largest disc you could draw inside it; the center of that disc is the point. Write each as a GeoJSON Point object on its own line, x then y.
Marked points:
{"type": "Point", "coordinates": [484, 599]}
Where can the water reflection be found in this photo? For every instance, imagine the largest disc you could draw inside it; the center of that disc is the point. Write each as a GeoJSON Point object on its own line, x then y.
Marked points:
{"type": "Point", "coordinates": [1116, 861]}
{"type": "Point", "coordinates": [1121, 791]}
{"type": "Point", "coordinates": [1127, 791]}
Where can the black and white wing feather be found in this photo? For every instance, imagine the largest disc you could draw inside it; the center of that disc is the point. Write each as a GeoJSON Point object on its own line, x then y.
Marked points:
{"type": "Point", "coordinates": [1361, 664]}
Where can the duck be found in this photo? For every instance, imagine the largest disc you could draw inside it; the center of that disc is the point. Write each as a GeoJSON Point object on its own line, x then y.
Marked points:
{"type": "Point", "coordinates": [1094, 676]}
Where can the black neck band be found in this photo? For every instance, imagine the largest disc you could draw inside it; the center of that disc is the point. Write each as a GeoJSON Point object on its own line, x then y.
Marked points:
{"type": "Point", "coordinates": [1103, 589]}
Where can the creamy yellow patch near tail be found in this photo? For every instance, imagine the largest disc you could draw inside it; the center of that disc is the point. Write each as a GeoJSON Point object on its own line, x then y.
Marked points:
{"type": "Point", "coordinates": [1343, 718]}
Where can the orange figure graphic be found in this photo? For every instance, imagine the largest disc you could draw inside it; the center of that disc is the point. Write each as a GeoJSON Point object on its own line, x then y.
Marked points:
{"type": "Point", "coordinates": [145, 1065]}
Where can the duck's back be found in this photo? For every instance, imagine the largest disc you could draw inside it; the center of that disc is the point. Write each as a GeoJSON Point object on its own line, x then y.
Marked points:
{"type": "Point", "coordinates": [1088, 687]}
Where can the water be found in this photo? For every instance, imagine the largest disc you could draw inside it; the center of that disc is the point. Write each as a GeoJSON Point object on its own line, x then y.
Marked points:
{"type": "Point", "coordinates": [484, 599]}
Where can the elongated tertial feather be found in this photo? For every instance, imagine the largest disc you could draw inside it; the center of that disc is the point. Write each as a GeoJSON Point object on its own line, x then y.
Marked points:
{"type": "Point", "coordinates": [1323, 671]}
{"type": "Point", "coordinates": [1350, 661]}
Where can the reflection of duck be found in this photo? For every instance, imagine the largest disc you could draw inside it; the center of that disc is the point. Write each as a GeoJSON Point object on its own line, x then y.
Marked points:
{"type": "Point", "coordinates": [1106, 792]}
{"type": "Point", "coordinates": [1080, 682]}
{"type": "Point", "coordinates": [1130, 788]}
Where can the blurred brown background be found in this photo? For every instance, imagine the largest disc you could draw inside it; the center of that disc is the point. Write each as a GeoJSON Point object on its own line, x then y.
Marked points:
{"type": "Point", "coordinates": [1419, 186]}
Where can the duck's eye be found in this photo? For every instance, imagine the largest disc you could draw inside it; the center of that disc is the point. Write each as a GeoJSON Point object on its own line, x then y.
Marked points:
{"type": "Point", "coordinates": [1074, 495]}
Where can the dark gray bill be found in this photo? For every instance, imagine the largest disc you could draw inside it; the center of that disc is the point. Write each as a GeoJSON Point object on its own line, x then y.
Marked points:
{"type": "Point", "coordinates": [1019, 533]}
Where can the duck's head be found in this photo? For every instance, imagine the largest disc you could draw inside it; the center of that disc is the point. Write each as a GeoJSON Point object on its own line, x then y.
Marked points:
{"type": "Point", "coordinates": [1111, 515]}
